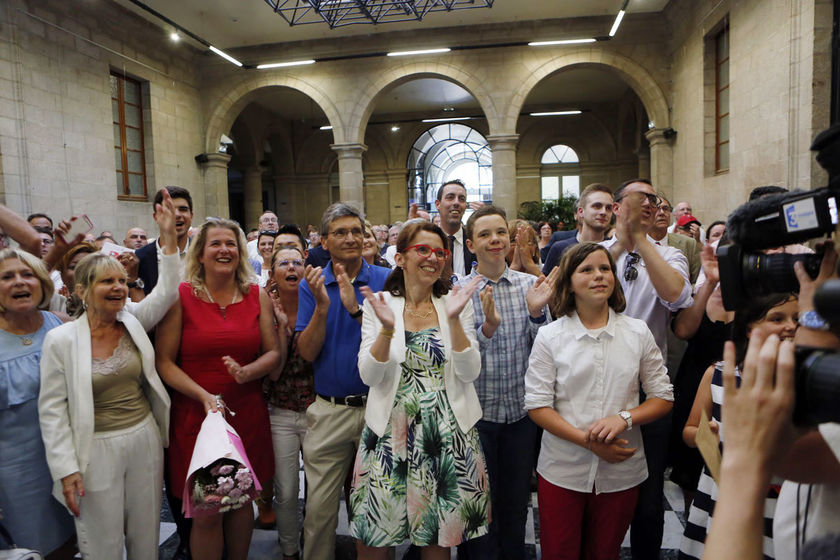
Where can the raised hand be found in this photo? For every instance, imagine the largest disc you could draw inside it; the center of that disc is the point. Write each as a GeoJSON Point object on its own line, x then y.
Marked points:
{"type": "Point", "coordinates": [315, 279]}
{"type": "Point", "coordinates": [165, 218]}
{"type": "Point", "coordinates": [130, 263]}
{"type": "Point", "coordinates": [345, 289]}
{"type": "Point", "coordinates": [708, 259]}
{"type": "Point", "coordinates": [614, 452]}
{"type": "Point", "coordinates": [542, 292]}
{"type": "Point", "coordinates": [61, 234]}
{"type": "Point", "coordinates": [382, 310]}
{"type": "Point", "coordinates": [459, 296]}
{"type": "Point", "coordinates": [488, 306]}
{"type": "Point", "coordinates": [280, 316]}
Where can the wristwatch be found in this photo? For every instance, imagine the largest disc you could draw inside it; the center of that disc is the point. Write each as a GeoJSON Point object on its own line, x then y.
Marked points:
{"type": "Point", "coordinates": [357, 313]}
{"type": "Point", "coordinates": [812, 320]}
{"type": "Point", "coordinates": [137, 284]}
{"type": "Point", "coordinates": [627, 418]}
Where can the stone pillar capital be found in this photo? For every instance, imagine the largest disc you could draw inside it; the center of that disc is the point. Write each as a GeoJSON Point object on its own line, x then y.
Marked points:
{"type": "Point", "coordinates": [349, 150]}
{"type": "Point", "coordinates": [657, 136]}
{"type": "Point", "coordinates": [217, 160]}
{"type": "Point", "coordinates": [503, 141]}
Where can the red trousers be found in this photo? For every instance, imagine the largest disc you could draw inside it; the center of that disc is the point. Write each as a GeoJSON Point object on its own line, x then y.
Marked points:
{"type": "Point", "coordinates": [583, 525]}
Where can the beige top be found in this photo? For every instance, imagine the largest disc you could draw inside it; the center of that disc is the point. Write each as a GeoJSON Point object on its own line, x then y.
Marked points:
{"type": "Point", "coordinates": [118, 398]}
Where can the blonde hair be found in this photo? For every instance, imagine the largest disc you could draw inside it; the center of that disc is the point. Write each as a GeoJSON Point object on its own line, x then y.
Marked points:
{"type": "Point", "coordinates": [195, 270]}
{"type": "Point", "coordinates": [38, 268]}
{"type": "Point", "coordinates": [90, 269]}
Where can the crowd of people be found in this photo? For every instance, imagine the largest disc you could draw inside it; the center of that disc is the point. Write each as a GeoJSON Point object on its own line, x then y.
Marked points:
{"type": "Point", "coordinates": [429, 370]}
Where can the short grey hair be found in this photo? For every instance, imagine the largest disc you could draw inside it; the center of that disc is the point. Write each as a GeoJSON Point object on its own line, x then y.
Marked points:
{"type": "Point", "coordinates": [339, 210]}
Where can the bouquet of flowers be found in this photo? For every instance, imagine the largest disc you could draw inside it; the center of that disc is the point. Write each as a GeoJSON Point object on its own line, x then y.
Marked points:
{"type": "Point", "coordinates": [220, 477]}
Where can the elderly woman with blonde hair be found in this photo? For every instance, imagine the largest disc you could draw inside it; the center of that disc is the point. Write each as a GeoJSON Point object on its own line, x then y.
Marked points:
{"type": "Point", "coordinates": [104, 411]}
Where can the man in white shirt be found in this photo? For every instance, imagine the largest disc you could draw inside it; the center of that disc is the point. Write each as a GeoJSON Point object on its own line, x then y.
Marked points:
{"type": "Point", "coordinates": [655, 283]}
{"type": "Point", "coordinates": [267, 222]}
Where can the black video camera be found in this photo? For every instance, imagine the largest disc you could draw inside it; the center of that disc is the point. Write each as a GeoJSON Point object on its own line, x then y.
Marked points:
{"type": "Point", "coordinates": [747, 270]}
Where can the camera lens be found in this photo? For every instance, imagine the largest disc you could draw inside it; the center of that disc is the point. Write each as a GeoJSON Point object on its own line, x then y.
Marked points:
{"type": "Point", "coordinates": [773, 274]}
{"type": "Point", "coordinates": [817, 387]}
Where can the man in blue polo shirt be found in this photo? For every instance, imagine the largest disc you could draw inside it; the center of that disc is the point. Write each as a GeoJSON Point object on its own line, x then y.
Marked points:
{"type": "Point", "coordinates": [329, 321]}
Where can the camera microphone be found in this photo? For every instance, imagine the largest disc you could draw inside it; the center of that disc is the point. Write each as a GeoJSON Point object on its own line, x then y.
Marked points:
{"type": "Point", "coordinates": [781, 219]}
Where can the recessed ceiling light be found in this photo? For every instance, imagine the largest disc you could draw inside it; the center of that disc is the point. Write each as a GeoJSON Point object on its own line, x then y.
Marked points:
{"type": "Point", "coordinates": [561, 42]}
{"type": "Point", "coordinates": [426, 51]}
{"type": "Point", "coordinates": [174, 36]}
{"type": "Point", "coordinates": [282, 64]}
{"type": "Point", "coordinates": [555, 113]}
{"type": "Point", "coordinates": [394, 128]}
{"type": "Point", "coordinates": [225, 55]}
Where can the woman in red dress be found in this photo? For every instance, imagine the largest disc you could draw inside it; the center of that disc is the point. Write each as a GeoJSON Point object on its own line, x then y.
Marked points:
{"type": "Point", "coordinates": [219, 340]}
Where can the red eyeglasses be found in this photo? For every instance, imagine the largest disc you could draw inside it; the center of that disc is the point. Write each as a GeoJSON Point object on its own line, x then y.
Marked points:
{"type": "Point", "coordinates": [425, 251]}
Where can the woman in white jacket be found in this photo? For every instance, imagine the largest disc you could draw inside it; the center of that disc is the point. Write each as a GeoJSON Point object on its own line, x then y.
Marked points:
{"type": "Point", "coordinates": [104, 411]}
{"type": "Point", "coordinates": [419, 471]}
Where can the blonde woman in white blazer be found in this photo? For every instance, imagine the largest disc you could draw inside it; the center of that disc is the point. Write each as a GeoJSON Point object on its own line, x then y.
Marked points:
{"type": "Point", "coordinates": [419, 472]}
{"type": "Point", "coordinates": [103, 409]}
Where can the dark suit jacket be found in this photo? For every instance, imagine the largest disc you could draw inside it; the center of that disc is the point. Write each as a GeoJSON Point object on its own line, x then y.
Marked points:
{"type": "Point", "coordinates": [318, 256]}
{"type": "Point", "coordinates": [147, 270]}
{"type": "Point", "coordinates": [469, 256]}
{"type": "Point", "coordinates": [560, 236]}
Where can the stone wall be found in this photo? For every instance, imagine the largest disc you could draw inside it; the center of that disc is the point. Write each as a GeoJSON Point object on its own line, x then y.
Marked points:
{"type": "Point", "coordinates": [779, 84]}
{"type": "Point", "coordinates": [56, 135]}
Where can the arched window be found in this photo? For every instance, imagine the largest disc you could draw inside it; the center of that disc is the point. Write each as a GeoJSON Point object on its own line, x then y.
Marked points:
{"type": "Point", "coordinates": [445, 152]}
{"type": "Point", "coordinates": [560, 172]}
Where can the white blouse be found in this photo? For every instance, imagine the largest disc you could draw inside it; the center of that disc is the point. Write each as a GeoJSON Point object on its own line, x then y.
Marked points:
{"type": "Point", "coordinates": [585, 376]}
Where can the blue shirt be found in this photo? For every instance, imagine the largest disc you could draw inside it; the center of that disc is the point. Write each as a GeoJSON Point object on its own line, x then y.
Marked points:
{"type": "Point", "coordinates": [336, 367]}
{"type": "Point", "coordinates": [504, 357]}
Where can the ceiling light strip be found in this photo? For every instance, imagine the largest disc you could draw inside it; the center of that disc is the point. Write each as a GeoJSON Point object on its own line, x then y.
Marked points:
{"type": "Point", "coordinates": [284, 64]}
{"type": "Point", "coordinates": [446, 119]}
{"type": "Point", "coordinates": [561, 42]}
{"type": "Point", "coordinates": [555, 113]}
{"type": "Point", "coordinates": [425, 51]}
{"type": "Point", "coordinates": [225, 55]}
{"type": "Point", "coordinates": [618, 18]}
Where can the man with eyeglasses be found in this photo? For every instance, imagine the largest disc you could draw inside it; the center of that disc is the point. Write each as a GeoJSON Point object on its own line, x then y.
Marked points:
{"type": "Point", "coordinates": [266, 222]}
{"type": "Point", "coordinates": [655, 283]}
{"type": "Point", "coordinates": [687, 245]}
{"type": "Point", "coordinates": [684, 209]}
{"type": "Point", "coordinates": [329, 322]}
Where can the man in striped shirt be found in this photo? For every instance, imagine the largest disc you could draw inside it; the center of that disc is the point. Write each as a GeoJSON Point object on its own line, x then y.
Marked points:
{"type": "Point", "coordinates": [509, 310]}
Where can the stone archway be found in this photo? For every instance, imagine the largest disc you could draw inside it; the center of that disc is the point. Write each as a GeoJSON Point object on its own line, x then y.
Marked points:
{"type": "Point", "coordinates": [393, 76]}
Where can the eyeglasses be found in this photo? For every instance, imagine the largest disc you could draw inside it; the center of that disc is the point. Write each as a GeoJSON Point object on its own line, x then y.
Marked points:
{"type": "Point", "coordinates": [654, 200]}
{"type": "Point", "coordinates": [665, 208]}
{"type": "Point", "coordinates": [425, 251]}
{"type": "Point", "coordinates": [355, 232]}
{"type": "Point", "coordinates": [287, 263]}
{"type": "Point", "coordinates": [630, 272]}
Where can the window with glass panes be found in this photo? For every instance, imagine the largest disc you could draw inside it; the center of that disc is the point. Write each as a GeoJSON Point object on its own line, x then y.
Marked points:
{"type": "Point", "coordinates": [559, 175]}
{"type": "Point", "coordinates": [129, 159]}
{"type": "Point", "coordinates": [722, 100]}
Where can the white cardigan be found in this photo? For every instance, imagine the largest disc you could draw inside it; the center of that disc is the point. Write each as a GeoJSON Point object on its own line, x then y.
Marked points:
{"type": "Point", "coordinates": [383, 378]}
{"type": "Point", "coordinates": [65, 403]}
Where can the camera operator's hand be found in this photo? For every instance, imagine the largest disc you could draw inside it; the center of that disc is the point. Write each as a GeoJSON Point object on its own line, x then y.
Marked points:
{"type": "Point", "coordinates": [758, 431]}
{"type": "Point", "coordinates": [807, 288]}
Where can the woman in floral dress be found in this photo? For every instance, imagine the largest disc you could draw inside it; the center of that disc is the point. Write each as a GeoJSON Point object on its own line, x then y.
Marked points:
{"type": "Point", "coordinates": [419, 472]}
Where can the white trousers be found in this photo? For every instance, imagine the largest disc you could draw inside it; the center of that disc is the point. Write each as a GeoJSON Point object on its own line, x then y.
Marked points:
{"type": "Point", "coordinates": [123, 486]}
{"type": "Point", "coordinates": [287, 430]}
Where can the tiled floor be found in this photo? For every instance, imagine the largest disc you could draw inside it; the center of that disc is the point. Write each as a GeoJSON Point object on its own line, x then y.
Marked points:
{"type": "Point", "coordinates": [264, 543]}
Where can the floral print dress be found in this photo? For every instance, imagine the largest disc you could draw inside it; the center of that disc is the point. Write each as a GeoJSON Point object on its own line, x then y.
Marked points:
{"type": "Point", "coordinates": [424, 479]}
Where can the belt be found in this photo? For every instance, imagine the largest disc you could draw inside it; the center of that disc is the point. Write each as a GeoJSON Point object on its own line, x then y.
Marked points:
{"type": "Point", "coordinates": [350, 400]}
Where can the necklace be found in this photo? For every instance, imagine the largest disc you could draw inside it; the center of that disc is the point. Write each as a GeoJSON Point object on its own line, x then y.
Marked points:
{"type": "Point", "coordinates": [419, 315]}
{"type": "Point", "coordinates": [25, 340]}
{"type": "Point", "coordinates": [222, 307]}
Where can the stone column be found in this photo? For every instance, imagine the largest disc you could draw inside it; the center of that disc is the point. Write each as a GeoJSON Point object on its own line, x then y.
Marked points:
{"type": "Point", "coordinates": [350, 176]}
{"type": "Point", "coordinates": [644, 165]}
{"type": "Point", "coordinates": [503, 148]}
{"type": "Point", "coordinates": [397, 194]}
{"type": "Point", "coordinates": [214, 172]}
{"type": "Point", "coordinates": [529, 183]}
{"type": "Point", "coordinates": [661, 159]}
{"type": "Point", "coordinates": [252, 187]}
